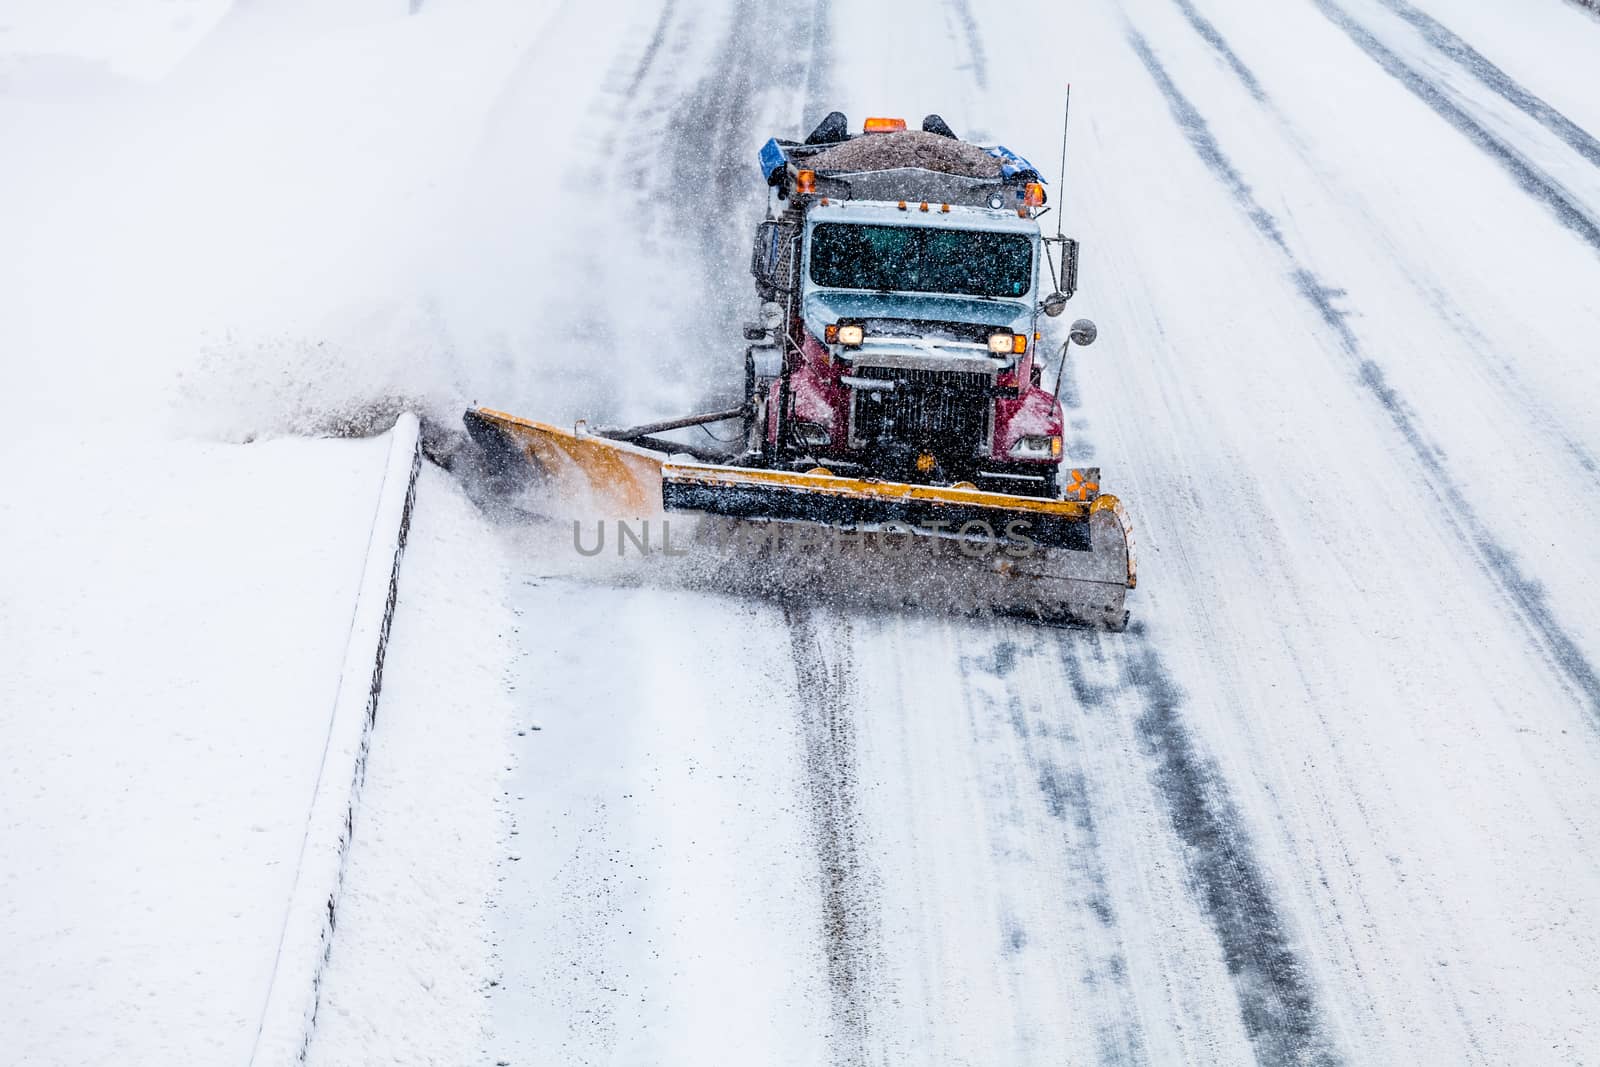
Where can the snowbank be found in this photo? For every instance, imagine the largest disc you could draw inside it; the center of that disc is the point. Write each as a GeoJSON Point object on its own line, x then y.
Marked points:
{"type": "Point", "coordinates": [313, 910]}
{"type": "Point", "coordinates": [406, 980]}
{"type": "Point", "coordinates": [218, 233]}
{"type": "Point", "coordinates": [173, 618]}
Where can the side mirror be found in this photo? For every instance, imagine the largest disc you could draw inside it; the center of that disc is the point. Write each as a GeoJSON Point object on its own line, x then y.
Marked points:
{"type": "Point", "coordinates": [1054, 304]}
{"type": "Point", "coordinates": [773, 259]}
{"type": "Point", "coordinates": [764, 257]}
{"type": "Point", "coordinates": [1082, 334]}
{"type": "Point", "coordinates": [771, 319]}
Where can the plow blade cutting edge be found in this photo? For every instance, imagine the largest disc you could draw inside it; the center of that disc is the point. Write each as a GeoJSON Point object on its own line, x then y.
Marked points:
{"type": "Point", "coordinates": [1057, 559]}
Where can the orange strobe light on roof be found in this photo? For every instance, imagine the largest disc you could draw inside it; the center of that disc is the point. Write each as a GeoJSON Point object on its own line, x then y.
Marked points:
{"type": "Point", "coordinates": [1034, 194]}
{"type": "Point", "coordinates": [805, 181]}
{"type": "Point", "coordinates": [883, 125]}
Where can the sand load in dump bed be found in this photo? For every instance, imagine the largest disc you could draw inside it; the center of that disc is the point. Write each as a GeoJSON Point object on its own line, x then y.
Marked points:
{"type": "Point", "coordinates": [907, 148]}
{"type": "Point", "coordinates": [903, 165]}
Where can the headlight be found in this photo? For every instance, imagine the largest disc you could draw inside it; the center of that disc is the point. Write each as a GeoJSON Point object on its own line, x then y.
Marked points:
{"type": "Point", "coordinates": [1008, 343]}
{"type": "Point", "coordinates": [1037, 448]}
{"type": "Point", "coordinates": [851, 336]}
{"type": "Point", "coordinates": [812, 434]}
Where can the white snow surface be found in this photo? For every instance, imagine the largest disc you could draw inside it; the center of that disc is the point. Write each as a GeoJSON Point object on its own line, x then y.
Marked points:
{"type": "Point", "coordinates": [1329, 801]}
{"type": "Point", "coordinates": [173, 624]}
{"type": "Point", "coordinates": [195, 257]}
{"type": "Point", "coordinates": [405, 982]}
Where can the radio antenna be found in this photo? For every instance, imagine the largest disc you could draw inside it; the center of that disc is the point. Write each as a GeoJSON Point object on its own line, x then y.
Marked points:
{"type": "Point", "coordinates": [1061, 189]}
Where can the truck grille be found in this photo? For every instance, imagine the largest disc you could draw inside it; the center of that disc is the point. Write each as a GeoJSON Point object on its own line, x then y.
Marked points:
{"type": "Point", "coordinates": [945, 411]}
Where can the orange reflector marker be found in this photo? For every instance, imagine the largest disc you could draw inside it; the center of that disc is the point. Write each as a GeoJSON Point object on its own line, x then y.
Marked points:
{"type": "Point", "coordinates": [1080, 488]}
{"type": "Point", "coordinates": [824, 201]}
{"type": "Point", "coordinates": [902, 205]}
{"type": "Point", "coordinates": [1034, 194]}
{"type": "Point", "coordinates": [805, 181]}
{"type": "Point", "coordinates": [1019, 343]}
{"type": "Point", "coordinates": [877, 125]}
{"type": "Point", "coordinates": [923, 206]}
{"type": "Point", "coordinates": [945, 208]}
{"type": "Point", "coordinates": [926, 462]}
{"type": "Point", "coordinates": [830, 333]}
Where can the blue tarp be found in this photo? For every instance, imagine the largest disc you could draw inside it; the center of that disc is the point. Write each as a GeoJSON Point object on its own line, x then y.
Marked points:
{"type": "Point", "coordinates": [772, 158]}
{"type": "Point", "coordinates": [1011, 164]}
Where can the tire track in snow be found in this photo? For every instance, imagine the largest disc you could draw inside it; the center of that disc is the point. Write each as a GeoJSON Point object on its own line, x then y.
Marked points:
{"type": "Point", "coordinates": [1049, 745]}
{"type": "Point", "coordinates": [1344, 925]}
{"type": "Point", "coordinates": [978, 62]}
{"type": "Point", "coordinates": [1445, 41]}
{"type": "Point", "coordinates": [1276, 996]}
{"type": "Point", "coordinates": [1524, 594]}
{"type": "Point", "coordinates": [1212, 36]}
{"type": "Point", "coordinates": [850, 909]}
{"type": "Point", "coordinates": [1504, 373]}
{"type": "Point", "coordinates": [712, 137]}
{"type": "Point", "coordinates": [651, 50]}
{"type": "Point", "coordinates": [1533, 181]}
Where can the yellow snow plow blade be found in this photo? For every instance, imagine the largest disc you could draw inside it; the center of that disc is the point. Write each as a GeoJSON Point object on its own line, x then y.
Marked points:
{"type": "Point", "coordinates": [613, 476]}
{"type": "Point", "coordinates": [1057, 559]}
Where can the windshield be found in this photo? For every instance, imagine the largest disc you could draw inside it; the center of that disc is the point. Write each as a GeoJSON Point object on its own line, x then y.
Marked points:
{"type": "Point", "coordinates": [962, 262]}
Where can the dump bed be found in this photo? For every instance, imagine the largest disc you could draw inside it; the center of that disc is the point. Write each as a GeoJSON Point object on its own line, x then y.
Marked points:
{"type": "Point", "coordinates": [911, 165]}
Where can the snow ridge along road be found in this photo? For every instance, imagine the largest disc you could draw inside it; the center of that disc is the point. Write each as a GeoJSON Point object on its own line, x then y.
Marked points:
{"type": "Point", "coordinates": [311, 917]}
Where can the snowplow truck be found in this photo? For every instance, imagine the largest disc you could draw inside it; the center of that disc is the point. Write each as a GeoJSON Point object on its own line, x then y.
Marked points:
{"type": "Point", "coordinates": [893, 381]}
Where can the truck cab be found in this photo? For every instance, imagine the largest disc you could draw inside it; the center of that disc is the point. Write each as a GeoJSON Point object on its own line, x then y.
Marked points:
{"type": "Point", "coordinates": [901, 315]}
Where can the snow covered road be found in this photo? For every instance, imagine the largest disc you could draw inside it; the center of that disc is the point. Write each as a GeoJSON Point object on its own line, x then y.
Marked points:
{"type": "Point", "coordinates": [1328, 800]}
